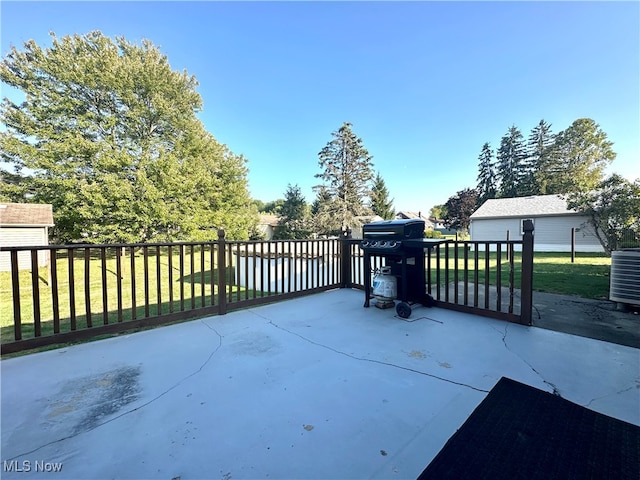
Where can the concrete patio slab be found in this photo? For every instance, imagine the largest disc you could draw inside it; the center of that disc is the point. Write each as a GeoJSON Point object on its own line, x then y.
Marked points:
{"type": "Point", "coordinates": [316, 387]}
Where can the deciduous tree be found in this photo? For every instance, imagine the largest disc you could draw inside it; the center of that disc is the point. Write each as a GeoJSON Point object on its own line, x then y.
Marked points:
{"type": "Point", "coordinates": [581, 153]}
{"type": "Point", "coordinates": [109, 134]}
{"type": "Point", "coordinates": [439, 212]}
{"type": "Point", "coordinates": [460, 207]}
{"type": "Point", "coordinates": [613, 209]}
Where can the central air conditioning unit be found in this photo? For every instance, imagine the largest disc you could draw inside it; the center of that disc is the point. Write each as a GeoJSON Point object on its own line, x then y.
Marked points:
{"type": "Point", "coordinates": [625, 276]}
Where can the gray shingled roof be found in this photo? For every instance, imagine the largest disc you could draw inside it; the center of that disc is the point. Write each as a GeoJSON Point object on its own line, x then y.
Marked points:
{"type": "Point", "coordinates": [23, 214]}
{"type": "Point", "coordinates": [534, 206]}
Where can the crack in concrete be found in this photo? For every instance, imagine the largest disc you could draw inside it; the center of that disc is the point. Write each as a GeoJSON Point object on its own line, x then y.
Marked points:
{"type": "Point", "coordinates": [587, 405]}
{"type": "Point", "coordinates": [556, 391]}
{"type": "Point", "coordinates": [379, 362]}
{"type": "Point", "coordinates": [140, 407]}
{"type": "Point", "coordinates": [537, 311]}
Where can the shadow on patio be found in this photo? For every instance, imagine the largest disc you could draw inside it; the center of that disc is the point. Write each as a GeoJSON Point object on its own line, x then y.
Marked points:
{"type": "Point", "coordinates": [315, 387]}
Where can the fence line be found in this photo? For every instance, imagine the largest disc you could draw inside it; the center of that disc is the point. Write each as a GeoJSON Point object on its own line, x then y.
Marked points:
{"type": "Point", "coordinates": [85, 291]}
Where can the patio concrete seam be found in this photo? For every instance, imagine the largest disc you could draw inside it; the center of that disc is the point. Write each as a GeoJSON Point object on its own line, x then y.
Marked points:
{"type": "Point", "coordinates": [556, 391]}
{"type": "Point", "coordinates": [139, 407]}
{"type": "Point", "coordinates": [379, 362]}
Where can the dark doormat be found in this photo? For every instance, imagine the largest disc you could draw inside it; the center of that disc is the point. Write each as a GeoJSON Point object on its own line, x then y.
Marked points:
{"type": "Point", "coordinates": [520, 432]}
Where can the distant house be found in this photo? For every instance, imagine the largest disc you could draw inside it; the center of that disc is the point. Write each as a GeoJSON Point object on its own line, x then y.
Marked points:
{"type": "Point", "coordinates": [23, 225]}
{"type": "Point", "coordinates": [356, 232]}
{"type": "Point", "coordinates": [267, 224]}
{"type": "Point", "coordinates": [405, 215]}
{"type": "Point", "coordinates": [552, 222]}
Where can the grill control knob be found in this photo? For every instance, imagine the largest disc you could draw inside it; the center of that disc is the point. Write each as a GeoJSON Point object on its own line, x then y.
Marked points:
{"type": "Point", "coordinates": [392, 244]}
{"type": "Point", "coordinates": [365, 243]}
{"type": "Point", "coordinates": [383, 243]}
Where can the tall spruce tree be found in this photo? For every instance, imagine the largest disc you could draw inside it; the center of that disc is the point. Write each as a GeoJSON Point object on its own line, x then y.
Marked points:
{"type": "Point", "coordinates": [321, 220]}
{"type": "Point", "coordinates": [347, 173]}
{"type": "Point", "coordinates": [510, 157]}
{"type": "Point", "coordinates": [486, 188]}
{"type": "Point", "coordinates": [293, 216]}
{"type": "Point", "coordinates": [540, 158]}
{"type": "Point", "coordinates": [381, 205]}
{"type": "Point", "coordinates": [111, 136]}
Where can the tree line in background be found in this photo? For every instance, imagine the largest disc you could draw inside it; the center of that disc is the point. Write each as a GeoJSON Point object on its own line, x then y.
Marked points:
{"type": "Point", "coordinates": [571, 163]}
{"type": "Point", "coordinates": [349, 193]}
{"type": "Point", "coordinates": [108, 134]}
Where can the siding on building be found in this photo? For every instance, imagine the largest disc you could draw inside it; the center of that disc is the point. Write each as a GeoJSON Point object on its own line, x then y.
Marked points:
{"type": "Point", "coordinates": [552, 223]}
{"type": "Point", "coordinates": [551, 234]}
{"type": "Point", "coordinates": [23, 225]}
{"type": "Point", "coordinates": [15, 236]}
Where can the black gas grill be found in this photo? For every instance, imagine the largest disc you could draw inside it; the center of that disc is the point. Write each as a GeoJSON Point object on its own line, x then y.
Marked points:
{"type": "Point", "coordinates": [387, 237]}
{"type": "Point", "coordinates": [401, 243]}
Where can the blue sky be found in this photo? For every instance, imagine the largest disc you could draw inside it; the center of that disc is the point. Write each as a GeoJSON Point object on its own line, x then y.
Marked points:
{"type": "Point", "coordinates": [424, 84]}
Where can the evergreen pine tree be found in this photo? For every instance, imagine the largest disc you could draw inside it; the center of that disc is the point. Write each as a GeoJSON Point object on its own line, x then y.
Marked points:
{"type": "Point", "coordinates": [293, 215]}
{"type": "Point", "coordinates": [486, 188]}
{"type": "Point", "coordinates": [540, 158]}
{"type": "Point", "coordinates": [321, 219]}
{"type": "Point", "coordinates": [510, 167]}
{"type": "Point", "coordinates": [381, 205]}
{"type": "Point", "coordinates": [347, 173]}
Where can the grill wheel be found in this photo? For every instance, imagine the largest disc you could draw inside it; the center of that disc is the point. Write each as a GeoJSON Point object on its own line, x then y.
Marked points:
{"type": "Point", "coordinates": [403, 310]}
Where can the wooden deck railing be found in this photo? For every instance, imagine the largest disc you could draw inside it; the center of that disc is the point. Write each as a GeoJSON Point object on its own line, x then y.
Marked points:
{"type": "Point", "coordinates": [85, 291]}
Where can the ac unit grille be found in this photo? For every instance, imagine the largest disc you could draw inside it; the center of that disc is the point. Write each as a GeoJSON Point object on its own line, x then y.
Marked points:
{"type": "Point", "coordinates": [625, 276]}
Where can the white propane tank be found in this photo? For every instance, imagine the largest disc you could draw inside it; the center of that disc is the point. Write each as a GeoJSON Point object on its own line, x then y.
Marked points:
{"type": "Point", "coordinates": [385, 285]}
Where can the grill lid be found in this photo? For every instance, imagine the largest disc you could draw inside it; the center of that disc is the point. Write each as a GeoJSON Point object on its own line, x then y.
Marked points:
{"type": "Point", "coordinates": [394, 229]}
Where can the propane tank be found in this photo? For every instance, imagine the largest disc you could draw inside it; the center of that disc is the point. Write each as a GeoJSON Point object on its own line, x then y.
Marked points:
{"type": "Point", "coordinates": [385, 285]}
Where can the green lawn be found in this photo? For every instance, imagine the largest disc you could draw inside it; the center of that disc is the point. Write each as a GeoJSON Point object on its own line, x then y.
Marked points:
{"type": "Point", "coordinates": [587, 277]}
{"type": "Point", "coordinates": [187, 287]}
{"type": "Point", "coordinates": [553, 272]}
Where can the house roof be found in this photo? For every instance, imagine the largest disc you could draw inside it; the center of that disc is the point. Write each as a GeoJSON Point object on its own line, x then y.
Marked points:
{"type": "Point", "coordinates": [409, 215]}
{"type": "Point", "coordinates": [268, 219]}
{"type": "Point", "coordinates": [533, 206]}
{"type": "Point", "coordinates": [369, 218]}
{"type": "Point", "coordinates": [26, 215]}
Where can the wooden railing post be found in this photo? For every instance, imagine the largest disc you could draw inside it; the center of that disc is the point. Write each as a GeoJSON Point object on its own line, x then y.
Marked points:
{"type": "Point", "coordinates": [345, 259]}
{"type": "Point", "coordinates": [526, 288]}
{"type": "Point", "coordinates": [222, 273]}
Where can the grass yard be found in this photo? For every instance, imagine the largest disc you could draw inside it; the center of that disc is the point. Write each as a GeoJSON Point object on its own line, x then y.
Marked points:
{"type": "Point", "coordinates": [170, 287]}
{"type": "Point", "coordinates": [173, 286]}
{"type": "Point", "coordinates": [587, 277]}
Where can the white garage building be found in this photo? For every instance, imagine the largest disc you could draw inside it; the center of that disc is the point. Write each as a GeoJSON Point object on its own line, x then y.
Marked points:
{"type": "Point", "coordinates": [552, 222]}
{"type": "Point", "coordinates": [23, 225]}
